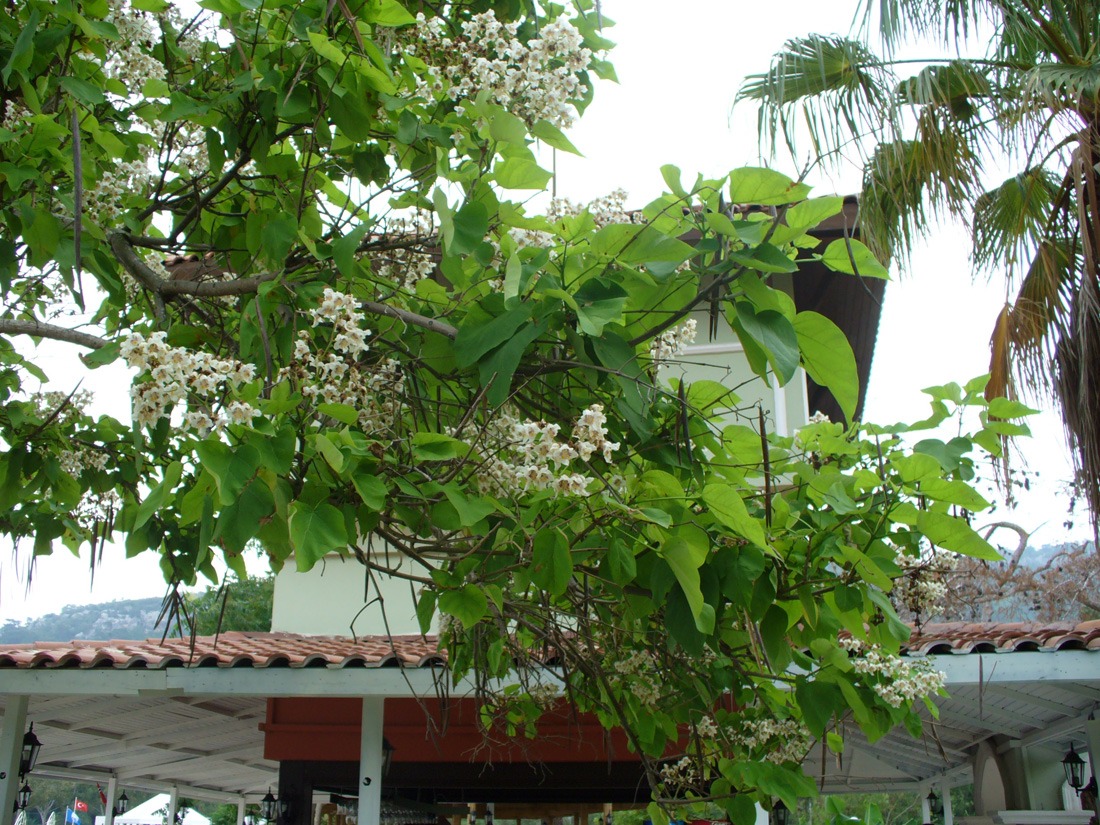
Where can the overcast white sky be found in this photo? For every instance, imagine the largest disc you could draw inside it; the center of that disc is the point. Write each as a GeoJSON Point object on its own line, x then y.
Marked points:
{"type": "Point", "coordinates": [680, 65]}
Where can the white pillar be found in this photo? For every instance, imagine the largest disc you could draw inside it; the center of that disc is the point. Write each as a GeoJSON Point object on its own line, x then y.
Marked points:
{"type": "Point", "coordinates": [925, 810]}
{"type": "Point", "coordinates": [11, 745]}
{"type": "Point", "coordinates": [173, 805]}
{"type": "Point", "coordinates": [370, 762]}
{"type": "Point", "coordinates": [240, 811]}
{"type": "Point", "coordinates": [948, 813]}
{"type": "Point", "coordinates": [112, 798]}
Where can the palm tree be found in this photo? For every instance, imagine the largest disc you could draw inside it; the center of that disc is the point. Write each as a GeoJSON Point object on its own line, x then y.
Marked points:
{"type": "Point", "coordinates": [922, 140]}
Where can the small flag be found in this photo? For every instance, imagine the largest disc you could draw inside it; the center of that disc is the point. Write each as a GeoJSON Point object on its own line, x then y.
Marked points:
{"type": "Point", "coordinates": [71, 818]}
{"type": "Point", "coordinates": [80, 806]}
{"type": "Point", "coordinates": [102, 796]}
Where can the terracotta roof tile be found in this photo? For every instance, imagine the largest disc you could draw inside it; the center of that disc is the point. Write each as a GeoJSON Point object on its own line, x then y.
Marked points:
{"type": "Point", "coordinates": [1005, 637]}
{"type": "Point", "coordinates": [261, 650]}
{"type": "Point", "coordinates": [275, 650]}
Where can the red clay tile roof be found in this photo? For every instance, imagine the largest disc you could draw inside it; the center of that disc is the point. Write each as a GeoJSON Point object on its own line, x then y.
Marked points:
{"type": "Point", "coordinates": [230, 649]}
{"type": "Point", "coordinates": [262, 650]}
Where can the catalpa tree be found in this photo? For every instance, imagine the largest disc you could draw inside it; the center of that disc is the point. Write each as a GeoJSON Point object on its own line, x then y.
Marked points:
{"type": "Point", "coordinates": [304, 226]}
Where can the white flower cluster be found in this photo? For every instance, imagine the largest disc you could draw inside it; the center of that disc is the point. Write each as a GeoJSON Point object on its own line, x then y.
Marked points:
{"type": "Point", "coordinates": [62, 407]}
{"type": "Point", "coordinates": [673, 342]}
{"type": "Point", "coordinates": [544, 694]}
{"type": "Point", "coordinates": [131, 62]}
{"type": "Point", "coordinates": [338, 375]}
{"type": "Point", "coordinates": [536, 81]}
{"type": "Point", "coordinates": [407, 260]}
{"type": "Point", "coordinates": [15, 116]}
{"type": "Point", "coordinates": [77, 460]}
{"type": "Point", "coordinates": [707, 727]}
{"type": "Point", "coordinates": [680, 774]}
{"type": "Point", "coordinates": [639, 667]}
{"type": "Point", "coordinates": [899, 681]}
{"type": "Point", "coordinates": [175, 374]}
{"type": "Point", "coordinates": [96, 508]}
{"type": "Point", "coordinates": [922, 586]}
{"type": "Point", "coordinates": [529, 455]}
{"type": "Point", "coordinates": [606, 210]}
{"type": "Point", "coordinates": [819, 418]}
{"type": "Point", "coordinates": [185, 144]}
{"type": "Point", "coordinates": [782, 740]}
{"type": "Point", "coordinates": [191, 35]}
{"type": "Point", "coordinates": [104, 200]}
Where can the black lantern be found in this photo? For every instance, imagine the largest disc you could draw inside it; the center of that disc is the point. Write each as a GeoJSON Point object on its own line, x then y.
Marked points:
{"type": "Point", "coordinates": [269, 806]}
{"type": "Point", "coordinates": [781, 814]}
{"type": "Point", "coordinates": [29, 755]}
{"type": "Point", "coordinates": [23, 797]}
{"type": "Point", "coordinates": [121, 805]}
{"type": "Point", "coordinates": [935, 804]}
{"type": "Point", "coordinates": [1074, 766]}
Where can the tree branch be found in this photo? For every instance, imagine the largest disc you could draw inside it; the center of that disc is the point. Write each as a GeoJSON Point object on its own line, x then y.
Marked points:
{"type": "Point", "coordinates": [11, 326]}
{"type": "Point", "coordinates": [430, 324]}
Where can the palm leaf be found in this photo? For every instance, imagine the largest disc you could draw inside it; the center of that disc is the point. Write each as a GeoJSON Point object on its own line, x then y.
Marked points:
{"type": "Point", "coordinates": [835, 86]}
{"type": "Point", "coordinates": [1010, 220]}
{"type": "Point", "coordinates": [950, 20]}
{"type": "Point", "coordinates": [908, 184]}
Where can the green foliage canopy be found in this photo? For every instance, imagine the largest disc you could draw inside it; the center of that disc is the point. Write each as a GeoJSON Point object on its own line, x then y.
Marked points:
{"type": "Point", "coordinates": [363, 342]}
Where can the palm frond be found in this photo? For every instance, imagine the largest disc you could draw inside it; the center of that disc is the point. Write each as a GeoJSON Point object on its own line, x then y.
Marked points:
{"type": "Point", "coordinates": [908, 184]}
{"type": "Point", "coordinates": [949, 20]}
{"type": "Point", "coordinates": [1061, 87]}
{"type": "Point", "coordinates": [835, 86]}
{"type": "Point", "coordinates": [960, 85]}
{"type": "Point", "coordinates": [1010, 220]}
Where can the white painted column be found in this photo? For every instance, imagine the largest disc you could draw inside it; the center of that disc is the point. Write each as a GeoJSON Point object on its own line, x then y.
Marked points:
{"type": "Point", "coordinates": [11, 745]}
{"type": "Point", "coordinates": [948, 813]}
{"type": "Point", "coordinates": [173, 805]}
{"type": "Point", "coordinates": [370, 762]}
{"type": "Point", "coordinates": [925, 809]}
{"type": "Point", "coordinates": [240, 811]}
{"type": "Point", "coordinates": [112, 797]}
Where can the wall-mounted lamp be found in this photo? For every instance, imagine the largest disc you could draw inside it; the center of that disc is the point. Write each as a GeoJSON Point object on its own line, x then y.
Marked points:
{"type": "Point", "coordinates": [935, 805]}
{"type": "Point", "coordinates": [1074, 766]}
{"type": "Point", "coordinates": [23, 797]}
{"type": "Point", "coordinates": [28, 756]}
{"type": "Point", "coordinates": [122, 804]}
{"type": "Point", "coordinates": [273, 809]}
{"type": "Point", "coordinates": [269, 806]}
{"type": "Point", "coordinates": [781, 814]}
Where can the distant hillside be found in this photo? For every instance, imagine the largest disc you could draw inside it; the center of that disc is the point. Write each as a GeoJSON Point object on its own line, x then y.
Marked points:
{"type": "Point", "coordinates": [129, 619]}
{"type": "Point", "coordinates": [247, 607]}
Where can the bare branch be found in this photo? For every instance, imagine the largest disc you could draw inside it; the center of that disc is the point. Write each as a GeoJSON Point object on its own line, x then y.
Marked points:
{"type": "Point", "coordinates": [37, 329]}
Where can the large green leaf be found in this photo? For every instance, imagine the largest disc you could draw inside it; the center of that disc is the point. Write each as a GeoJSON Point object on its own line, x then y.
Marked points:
{"type": "Point", "coordinates": [726, 505]}
{"type": "Point", "coordinates": [315, 531]}
{"type": "Point", "coordinates": [599, 303]}
{"type": "Point", "coordinates": [828, 359]}
{"type": "Point", "coordinates": [955, 534]}
{"type": "Point", "coordinates": [551, 562]}
{"type": "Point", "coordinates": [685, 558]}
{"type": "Point", "coordinates": [852, 257]}
{"type": "Point", "coordinates": [476, 338]}
{"type": "Point", "coordinates": [231, 468]}
{"type": "Point", "coordinates": [764, 187]}
{"type": "Point", "coordinates": [468, 604]}
{"type": "Point", "coordinates": [521, 173]}
{"type": "Point", "coordinates": [775, 334]}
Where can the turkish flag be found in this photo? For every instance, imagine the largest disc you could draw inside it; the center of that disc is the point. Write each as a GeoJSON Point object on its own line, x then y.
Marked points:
{"type": "Point", "coordinates": [80, 806]}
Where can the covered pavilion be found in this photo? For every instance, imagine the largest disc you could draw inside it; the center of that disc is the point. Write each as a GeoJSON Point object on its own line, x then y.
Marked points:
{"type": "Point", "coordinates": [314, 718]}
